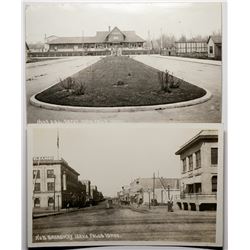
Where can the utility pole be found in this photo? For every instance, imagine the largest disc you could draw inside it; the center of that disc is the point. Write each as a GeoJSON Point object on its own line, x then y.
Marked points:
{"type": "Point", "coordinates": [58, 202]}
{"type": "Point", "coordinates": [149, 198]}
{"type": "Point", "coordinates": [82, 40]}
{"type": "Point", "coordinates": [153, 188]}
{"type": "Point", "coordinates": [54, 176]}
{"type": "Point", "coordinates": [161, 42]}
{"type": "Point", "coordinates": [58, 144]}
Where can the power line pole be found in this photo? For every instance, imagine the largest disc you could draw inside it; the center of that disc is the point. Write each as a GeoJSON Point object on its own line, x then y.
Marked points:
{"type": "Point", "coordinates": [82, 40]}
{"type": "Point", "coordinates": [58, 144]}
{"type": "Point", "coordinates": [153, 188]}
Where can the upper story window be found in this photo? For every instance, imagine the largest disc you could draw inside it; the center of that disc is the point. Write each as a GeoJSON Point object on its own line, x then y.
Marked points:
{"type": "Point", "coordinates": [190, 159]}
{"type": "Point", "coordinates": [36, 174]}
{"type": "Point", "coordinates": [37, 187]}
{"type": "Point", "coordinates": [184, 165]}
{"type": "Point", "coordinates": [50, 186]}
{"type": "Point", "coordinates": [214, 156]}
{"type": "Point", "coordinates": [50, 173]}
{"type": "Point", "coordinates": [211, 49]}
{"type": "Point", "coordinates": [198, 159]}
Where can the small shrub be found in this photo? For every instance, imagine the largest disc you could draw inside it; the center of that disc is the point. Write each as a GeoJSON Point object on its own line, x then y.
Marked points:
{"type": "Point", "coordinates": [80, 88]}
{"type": "Point", "coordinates": [68, 83]}
{"type": "Point", "coordinates": [174, 82]}
{"type": "Point", "coordinates": [177, 84]}
{"type": "Point", "coordinates": [120, 83]}
{"type": "Point", "coordinates": [163, 78]}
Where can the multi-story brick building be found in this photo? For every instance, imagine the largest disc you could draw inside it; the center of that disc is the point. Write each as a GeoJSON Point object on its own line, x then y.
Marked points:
{"type": "Point", "coordinates": [55, 184]}
{"type": "Point", "coordinates": [199, 167]}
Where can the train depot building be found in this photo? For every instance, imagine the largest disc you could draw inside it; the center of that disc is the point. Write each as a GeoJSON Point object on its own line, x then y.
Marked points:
{"type": "Point", "coordinates": [110, 42]}
{"type": "Point", "coordinates": [199, 164]}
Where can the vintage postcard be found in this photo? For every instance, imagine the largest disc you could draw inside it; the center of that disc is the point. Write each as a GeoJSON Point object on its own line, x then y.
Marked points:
{"type": "Point", "coordinates": [123, 62]}
{"type": "Point", "coordinates": [132, 184]}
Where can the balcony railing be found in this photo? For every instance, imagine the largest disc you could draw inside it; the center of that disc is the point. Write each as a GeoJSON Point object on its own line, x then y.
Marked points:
{"type": "Point", "coordinates": [198, 196]}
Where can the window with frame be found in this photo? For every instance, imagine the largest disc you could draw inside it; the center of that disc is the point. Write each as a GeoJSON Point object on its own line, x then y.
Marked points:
{"type": "Point", "coordinates": [184, 165]}
{"type": "Point", "coordinates": [36, 174]}
{"type": "Point", "coordinates": [50, 173]}
{"type": "Point", "coordinates": [198, 159]}
{"type": "Point", "coordinates": [211, 49]}
{"type": "Point", "coordinates": [37, 187]}
{"type": "Point", "coordinates": [37, 202]}
{"type": "Point", "coordinates": [50, 186]}
{"type": "Point", "coordinates": [190, 160]}
{"type": "Point", "coordinates": [51, 202]}
{"type": "Point", "coordinates": [214, 183]}
{"type": "Point", "coordinates": [214, 156]}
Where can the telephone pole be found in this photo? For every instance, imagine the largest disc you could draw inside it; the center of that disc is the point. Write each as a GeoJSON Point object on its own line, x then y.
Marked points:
{"type": "Point", "coordinates": [153, 188]}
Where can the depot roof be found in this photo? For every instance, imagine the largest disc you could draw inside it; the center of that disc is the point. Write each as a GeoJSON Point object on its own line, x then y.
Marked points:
{"type": "Point", "coordinates": [100, 37]}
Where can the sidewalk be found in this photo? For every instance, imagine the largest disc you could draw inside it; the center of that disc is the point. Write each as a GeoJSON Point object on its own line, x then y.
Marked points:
{"type": "Point", "coordinates": [53, 213]}
{"type": "Point", "coordinates": [193, 60]}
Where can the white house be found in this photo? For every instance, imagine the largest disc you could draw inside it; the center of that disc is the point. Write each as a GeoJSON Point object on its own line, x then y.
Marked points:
{"type": "Point", "coordinates": [214, 47]}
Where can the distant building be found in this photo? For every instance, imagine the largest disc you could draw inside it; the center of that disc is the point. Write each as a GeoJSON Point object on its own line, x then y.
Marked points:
{"type": "Point", "coordinates": [87, 183]}
{"type": "Point", "coordinates": [113, 41]}
{"type": "Point", "coordinates": [197, 49]}
{"type": "Point", "coordinates": [169, 51]}
{"type": "Point", "coordinates": [160, 190]}
{"type": "Point", "coordinates": [199, 163]}
{"type": "Point", "coordinates": [153, 190]}
{"type": "Point", "coordinates": [214, 47]}
{"type": "Point", "coordinates": [36, 47]}
{"type": "Point", "coordinates": [55, 184]}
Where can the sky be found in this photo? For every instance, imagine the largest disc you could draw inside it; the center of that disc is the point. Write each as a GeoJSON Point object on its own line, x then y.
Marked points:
{"type": "Point", "coordinates": [64, 19]}
{"type": "Point", "coordinates": [112, 156]}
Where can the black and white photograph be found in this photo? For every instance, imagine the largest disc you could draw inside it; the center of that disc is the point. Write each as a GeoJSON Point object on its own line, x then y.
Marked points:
{"type": "Point", "coordinates": [133, 184]}
{"type": "Point", "coordinates": [123, 62]}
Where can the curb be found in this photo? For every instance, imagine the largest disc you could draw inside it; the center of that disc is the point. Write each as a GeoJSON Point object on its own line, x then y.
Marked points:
{"type": "Point", "coordinates": [56, 107]}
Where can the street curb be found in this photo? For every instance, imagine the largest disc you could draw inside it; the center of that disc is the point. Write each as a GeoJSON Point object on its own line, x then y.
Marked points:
{"type": "Point", "coordinates": [56, 107]}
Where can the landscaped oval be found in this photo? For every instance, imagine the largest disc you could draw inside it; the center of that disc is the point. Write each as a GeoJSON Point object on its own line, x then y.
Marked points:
{"type": "Point", "coordinates": [117, 81]}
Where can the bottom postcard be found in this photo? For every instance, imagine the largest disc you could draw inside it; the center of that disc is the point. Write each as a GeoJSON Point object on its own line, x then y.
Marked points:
{"type": "Point", "coordinates": [125, 184]}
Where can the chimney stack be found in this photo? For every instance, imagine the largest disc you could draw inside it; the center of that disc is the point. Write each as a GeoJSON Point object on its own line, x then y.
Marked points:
{"type": "Point", "coordinates": [109, 28]}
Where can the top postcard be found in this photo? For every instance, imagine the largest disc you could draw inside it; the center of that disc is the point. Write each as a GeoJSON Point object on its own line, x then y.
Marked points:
{"type": "Point", "coordinates": [123, 62]}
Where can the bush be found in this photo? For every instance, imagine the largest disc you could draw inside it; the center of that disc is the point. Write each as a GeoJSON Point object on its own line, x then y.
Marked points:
{"type": "Point", "coordinates": [80, 88]}
{"type": "Point", "coordinates": [73, 86]}
{"type": "Point", "coordinates": [68, 83]}
{"type": "Point", "coordinates": [174, 82]}
{"type": "Point", "coordinates": [163, 80]}
{"type": "Point", "coordinates": [168, 81]}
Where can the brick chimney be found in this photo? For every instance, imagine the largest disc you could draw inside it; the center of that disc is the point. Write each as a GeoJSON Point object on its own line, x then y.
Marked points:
{"type": "Point", "coordinates": [109, 28]}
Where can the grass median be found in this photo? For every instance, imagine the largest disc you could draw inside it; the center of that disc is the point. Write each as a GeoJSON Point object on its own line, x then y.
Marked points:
{"type": "Point", "coordinates": [117, 82]}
